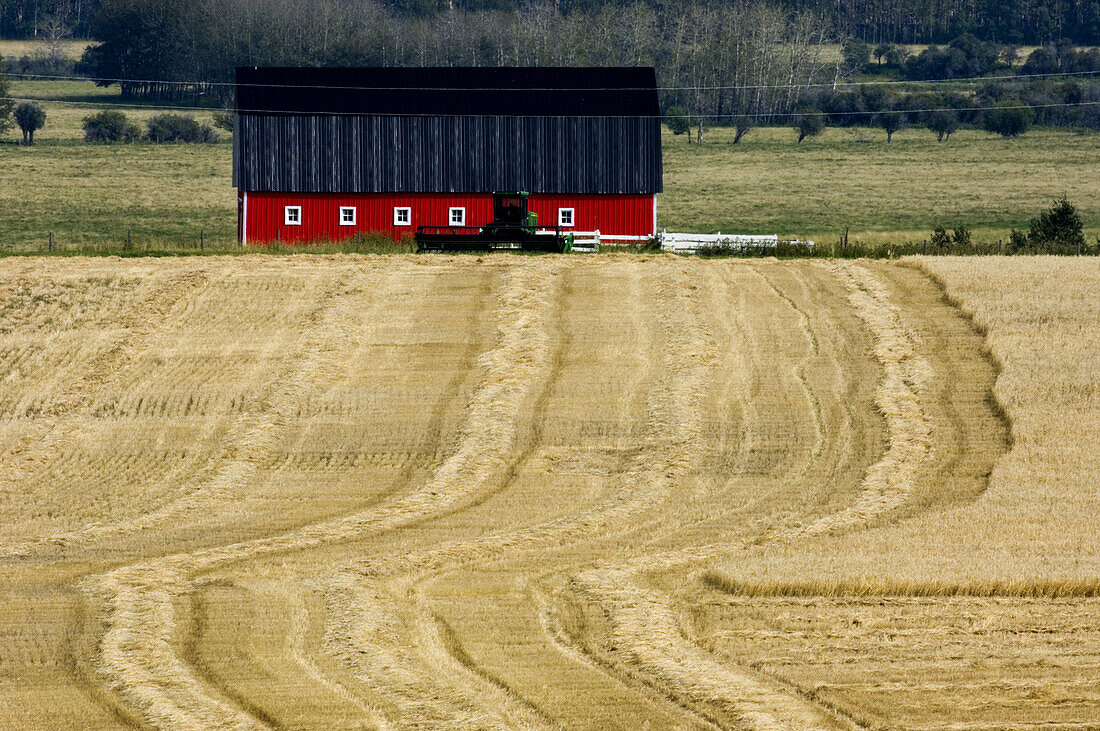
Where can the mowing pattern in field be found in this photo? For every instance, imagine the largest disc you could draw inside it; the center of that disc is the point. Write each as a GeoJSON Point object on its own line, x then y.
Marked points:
{"type": "Point", "coordinates": [506, 492]}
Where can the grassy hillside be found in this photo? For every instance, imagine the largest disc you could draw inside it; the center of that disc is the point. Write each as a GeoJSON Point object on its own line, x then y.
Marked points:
{"type": "Point", "coordinates": [94, 195]}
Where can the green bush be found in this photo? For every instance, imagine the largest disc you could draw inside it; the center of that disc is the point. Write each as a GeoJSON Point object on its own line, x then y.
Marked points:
{"type": "Point", "coordinates": [809, 123]}
{"type": "Point", "coordinates": [961, 237]}
{"type": "Point", "coordinates": [941, 240]}
{"type": "Point", "coordinates": [1009, 119]}
{"type": "Point", "coordinates": [1058, 230]}
{"type": "Point", "coordinates": [30, 116]}
{"type": "Point", "coordinates": [1017, 242]}
{"type": "Point", "coordinates": [943, 123]}
{"type": "Point", "coordinates": [110, 126]}
{"type": "Point", "coordinates": [178, 128]}
{"type": "Point", "coordinates": [677, 120]}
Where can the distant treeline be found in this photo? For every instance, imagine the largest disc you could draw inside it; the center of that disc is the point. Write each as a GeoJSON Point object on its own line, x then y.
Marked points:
{"type": "Point", "coordinates": [1031, 22]}
{"type": "Point", "coordinates": [745, 64]}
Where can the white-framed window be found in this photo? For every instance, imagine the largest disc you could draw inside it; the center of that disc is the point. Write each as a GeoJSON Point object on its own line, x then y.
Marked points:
{"type": "Point", "coordinates": [347, 215]}
{"type": "Point", "coordinates": [457, 216]}
{"type": "Point", "coordinates": [292, 215]}
{"type": "Point", "coordinates": [565, 216]}
{"type": "Point", "coordinates": [402, 216]}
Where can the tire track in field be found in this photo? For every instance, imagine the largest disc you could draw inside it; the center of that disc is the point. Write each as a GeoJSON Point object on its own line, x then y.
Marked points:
{"type": "Point", "coordinates": [136, 658]}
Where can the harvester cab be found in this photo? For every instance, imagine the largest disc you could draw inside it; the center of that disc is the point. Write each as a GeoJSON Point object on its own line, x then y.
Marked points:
{"type": "Point", "coordinates": [511, 208]}
{"type": "Point", "coordinates": [514, 227]}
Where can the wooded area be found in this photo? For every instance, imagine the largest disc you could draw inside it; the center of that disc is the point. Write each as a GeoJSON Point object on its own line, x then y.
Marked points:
{"type": "Point", "coordinates": [1031, 22]}
{"type": "Point", "coordinates": [718, 63]}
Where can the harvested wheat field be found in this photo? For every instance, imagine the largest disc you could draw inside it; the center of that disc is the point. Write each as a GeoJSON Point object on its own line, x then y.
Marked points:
{"type": "Point", "coordinates": [580, 492]}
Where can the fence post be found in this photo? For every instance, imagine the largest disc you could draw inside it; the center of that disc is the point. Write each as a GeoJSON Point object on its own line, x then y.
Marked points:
{"type": "Point", "coordinates": [202, 240]}
{"type": "Point", "coordinates": [278, 236]}
{"type": "Point", "coordinates": [1001, 246]}
{"type": "Point", "coordinates": [129, 241]}
{"type": "Point", "coordinates": [51, 240]}
{"type": "Point", "coordinates": [358, 240]}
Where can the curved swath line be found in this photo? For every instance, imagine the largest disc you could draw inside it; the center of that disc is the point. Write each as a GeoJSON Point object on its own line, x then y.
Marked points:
{"type": "Point", "coordinates": [800, 373]}
{"type": "Point", "coordinates": [675, 429]}
{"type": "Point", "coordinates": [302, 659]}
{"type": "Point", "coordinates": [136, 657]}
{"type": "Point", "coordinates": [886, 486]}
{"type": "Point", "coordinates": [668, 559]}
{"type": "Point", "coordinates": [448, 402]}
{"type": "Point", "coordinates": [905, 383]}
{"type": "Point", "coordinates": [141, 321]}
{"type": "Point", "coordinates": [647, 626]}
{"type": "Point", "coordinates": [446, 665]}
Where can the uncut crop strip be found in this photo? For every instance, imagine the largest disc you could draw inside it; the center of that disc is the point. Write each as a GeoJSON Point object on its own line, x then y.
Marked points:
{"type": "Point", "coordinates": [970, 435]}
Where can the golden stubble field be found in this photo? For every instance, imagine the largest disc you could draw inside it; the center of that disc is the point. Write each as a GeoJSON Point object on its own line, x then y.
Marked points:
{"type": "Point", "coordinates": [343, 492]}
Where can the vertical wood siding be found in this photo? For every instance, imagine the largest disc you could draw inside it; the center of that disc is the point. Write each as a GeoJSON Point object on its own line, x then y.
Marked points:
{"type": "Point", "coordinates": [447, 154]}
{"type": "Point", "coordinates": [614, 215]}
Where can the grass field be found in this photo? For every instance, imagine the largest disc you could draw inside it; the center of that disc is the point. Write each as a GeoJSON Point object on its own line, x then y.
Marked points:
{"type": "Point", "coordinates": [336, 492]}
{"type": "Point", "coordinates": [883, 193]}
{"type": "Point", "coordinates": [164, 195]}
{"type": "Point", "coordinates": [71, 48]}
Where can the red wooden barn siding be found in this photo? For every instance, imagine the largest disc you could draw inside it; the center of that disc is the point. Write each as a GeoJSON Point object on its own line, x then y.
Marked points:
{"type": "Point", "coordinates": [612, 215]}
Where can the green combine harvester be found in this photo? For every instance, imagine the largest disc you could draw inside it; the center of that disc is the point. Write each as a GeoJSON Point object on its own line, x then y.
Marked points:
{"type": "Point", "coordinates": [514, 228]}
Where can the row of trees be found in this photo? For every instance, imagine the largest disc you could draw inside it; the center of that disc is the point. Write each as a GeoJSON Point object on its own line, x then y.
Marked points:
{"type": "Point", "coordinates": [723, 62]}
{"type": "Point", "coordinates": [742, 64]}
{"type": "Point", "coordinates": [1030, 22]}
{"type": "Point", "coordinates": [111, 125]}
{"type": "Point", "coordinates": [966, 57]}
{"type": "Point", "coordinates": [46, 18]}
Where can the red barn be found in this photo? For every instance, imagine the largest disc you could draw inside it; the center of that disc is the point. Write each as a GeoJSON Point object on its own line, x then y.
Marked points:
{"type": "Point", "coordinates": [326, 153]}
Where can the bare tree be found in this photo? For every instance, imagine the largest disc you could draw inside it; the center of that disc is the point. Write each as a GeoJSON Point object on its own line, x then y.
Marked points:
{"type": "Point", "coordinates": [54, 29]}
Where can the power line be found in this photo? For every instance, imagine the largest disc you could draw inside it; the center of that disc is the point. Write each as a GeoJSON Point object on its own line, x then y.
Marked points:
{"type": "Point", "coordinates": [786, 115]}
{"type": "Point", "coordinates": [814, 85]}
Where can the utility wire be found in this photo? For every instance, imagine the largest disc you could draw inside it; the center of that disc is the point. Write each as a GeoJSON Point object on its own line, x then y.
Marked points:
{"type": "Point", "coordinates": [788, 115]}
{"type": "Point", "coordinates": [814, 85]}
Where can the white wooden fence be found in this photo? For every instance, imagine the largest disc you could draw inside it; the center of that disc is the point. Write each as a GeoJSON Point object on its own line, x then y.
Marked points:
{"type": "Point", "coordinates": [680, 243]}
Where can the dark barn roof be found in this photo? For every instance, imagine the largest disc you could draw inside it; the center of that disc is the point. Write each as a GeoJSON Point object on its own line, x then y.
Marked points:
{"type": "Point", "coordinates": [545, 130]}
